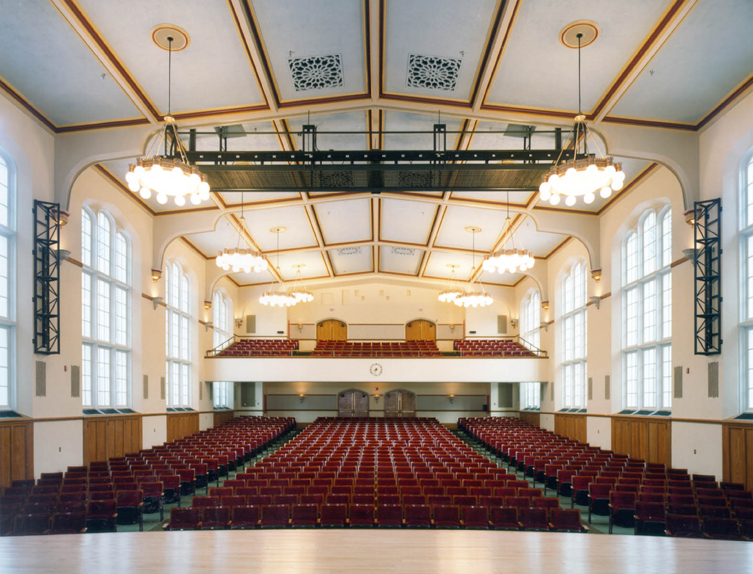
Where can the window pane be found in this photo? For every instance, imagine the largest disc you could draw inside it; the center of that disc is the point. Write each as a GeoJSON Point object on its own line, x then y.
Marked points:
{"type": "Point", "coordinates": [666, 306]}
{"type": "Point", "coordinates": [631, 317]}
{"type": "Point", "coordinates": [4, 193]}
{"type": "Point", "coordinates": [749, 277]}
{"type": "Point", "coordinates": [649, 311]}
{"type": "Point", "coordinates": [567, 375]}
{"type": "Point", "coordinates": [631, 256]}
{"type": "Point", "coordinates": [578, 339]}
{"type": "Point", "coordinates": [121, 378]}
{"type": "Point", "coordinates": [666, 232]}
{"type": "Point", "coordinates": [185, 333]}
{"type": "Point", "coordinates": [185, 377]}
{"type": "Point", "coordinates": [103, 310]}
{"type": "Point", "coordinates": [750, 369]}
{"type": "Point", "coordinates": [631, 380]}
{"type": "Point", "coordinates": [579, 385]}
{"type": "Point", "coordinates": [4, 276]}
{"type": "Point", "coordinates": [649, 378]}
{"type": "Point", "coordinates": [184, 293]}
{"type": "Point", "coordinates": [174, 334]}
{"type": "Point", "coordinates": [86, 238]}
{"type": "Point", "coordinates": [86, 305]}
{"type": "Point", "coordinates": [175, 383]}
{"type": "Point", "coordinates": [103, 243]}
{"type": "Point", "coordinates": [666, 384]}
{"type": "Point", "coordinates": [649, 244]}
{"type": "Point", "coordinates": [121, 258]}
{"type": "Point", "coordinates": [86, 375]}
{"type": "Point", "coordinates": [5, 334]}
{"type": "Point", "coordinates": [121, 316]}
{"type": "Point", "coordinates": [103, 377]}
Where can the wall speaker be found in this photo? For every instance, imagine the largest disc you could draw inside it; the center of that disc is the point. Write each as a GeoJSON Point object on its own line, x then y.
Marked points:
{"type": "Point", "coordinates": [146, 386]}
{"type": "Point", "coordinates": [678, 383]}
{"type": "Point", "coordinates": [162, 389]}
{"type": "Point", "coordinates": [502, 324]}
{"type": "Point", "coordinates": [607, 387]}
{"type": "Point", "coordinates": [250, 324]}
{"type": "Point", "coordinates": [75, 381]}
{"type": "Point", "coordinates": [41, 379]}
{"type": "Point", "coordinates": [713, 379]}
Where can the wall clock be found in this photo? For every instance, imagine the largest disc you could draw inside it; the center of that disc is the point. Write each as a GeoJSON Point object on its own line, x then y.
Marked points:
{"type": "Point", "coordinates": [375, 369]}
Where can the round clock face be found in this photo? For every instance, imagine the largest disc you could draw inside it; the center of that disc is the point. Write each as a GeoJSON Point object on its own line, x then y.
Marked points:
{"type": "Point", "coordinates": [376, 369]}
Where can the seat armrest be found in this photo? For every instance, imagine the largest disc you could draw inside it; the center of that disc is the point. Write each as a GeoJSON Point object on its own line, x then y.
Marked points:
{"type": "Point", "coordinates": [585, 527]}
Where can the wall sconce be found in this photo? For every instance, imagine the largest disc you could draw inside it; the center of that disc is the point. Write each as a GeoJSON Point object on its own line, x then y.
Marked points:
{"type": "Point", "coordinates": [452, 399]}
{"type": "Point", "coordinates": [376, 398]}
{"type": "Point", "coordinates": [62, 218]}
{"type": "Point", "coordinates": [300, 327]}
{"type": "Point", "coordinates": [691, 254]}
{"type": "Point", "coordinates": [690, 217]}
{"type": "Point", "coordinates": [157, 301]}
{"type": "Point", "coordinates": [596, 274]}
{"type": "Point", "coordinates": [208, 325]}
{"type": "Point", "coordinates": [544, 325]}
{"type": "Point", "coordinates": [513, 323]}
{"type": "Point", "coordinates": [238, 323]}
{"type": "Point", "coordinates": [452, 328]}
{"type": "Point", "coordinates": [545, 305]}
{"type": "Point", "coordinates": [207, 305]}
{"type": "Point", "coordinates": [63, 254]}
{"type": "Point", "coordinates": [596, 301]}
{"type": "Point", "coordinates": [156, 275]}
{"type": "Point", "coordinates": [301, 397]}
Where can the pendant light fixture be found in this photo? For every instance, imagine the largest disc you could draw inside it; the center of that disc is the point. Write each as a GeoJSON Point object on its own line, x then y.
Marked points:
{"type": "Point", "coordinates": [588, 175]}
{"type": "Point", "coordinates": [471, 297]}
{"type": "Point", "coordinates": [239, 258]}
{"type": "Point", "coordinates": [278, 296]}
{"type": "Point", "coordinates": [163, 175]}
{"type": "Point", "coordinates": [454, 290]}
{"type": "Point", "coordinates": [299, 290]}
{"type": "Point", "coordinates": [513, 260]}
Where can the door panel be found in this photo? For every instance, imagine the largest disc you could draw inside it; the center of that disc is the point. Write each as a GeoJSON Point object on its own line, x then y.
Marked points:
{"type": "Point", "coordinates": [332, 330]}
{"type": "Point", "coordinates": [400, 404]}
{"type": "Point", "coordinates": [352, 404]}
{"type": "Point", "coordinates": [420, 331]}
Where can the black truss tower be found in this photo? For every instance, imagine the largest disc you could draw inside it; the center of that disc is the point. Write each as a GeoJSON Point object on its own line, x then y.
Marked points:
{"type": "Point", "coordinates": [708, 277]}
{"type": "Point", "coordinates": [46, 278]}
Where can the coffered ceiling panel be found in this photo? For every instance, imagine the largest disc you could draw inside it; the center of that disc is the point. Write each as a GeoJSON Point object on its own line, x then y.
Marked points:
{"type": "Point", "coordinates": [704, 60]}
{"type": "Point", "coordinates": [243, 279]}
{"type": "Point", "coordinates": [345, 122]}
{"type": "Point", "coordinates": [410, 122]}
{"type": "Point", "coordinates": [345, 221]}
{"type": "Point", "coordinates": [407, 221]}
{"type": "Point", "coordinates": [44, 59]}
{"type": "Point", "coordinates": [223, 236]}
{"type": "Point", "coordinates": [313, 261]}
{"type": "Point", "coordinates": [540, 243]}
{"type": "Point", "coordinates": [436, 266]}
{"type": "Point", "coordinates": [212, 72]}
{"type": "Point", "coordinates": [299, 231]}
{"type": "Point", "coordinates": [452, 232]}
{"type": "Point", "coordinates": [349, 260]}
{"type": "Point", "coordinates": [537, 71]}
{"type": "Point", "coordinates": [434, 49]}
{"type": "Point", "coordinates": [400, 260]}
{"type": "Point", "coordinates": [314, 49]}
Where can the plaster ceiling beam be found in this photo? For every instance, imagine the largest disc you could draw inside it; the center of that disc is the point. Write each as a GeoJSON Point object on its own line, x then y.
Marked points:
{"type": "Point", "coordinates": [375, 16]}
{"type": "Point", "coordinates": [258, 68]}
{"type": "Point", "coordinates": [319, 239]}
{"type": "Point", "coordinates": [640, 60]}
{"type": "Point", "coordinates": [168, 228]}
{"type": "Point", "coordinates": [509, 12]}
{"type": "Point", "coordinates": [583, 228]}
{"type": "Point", "coordinates": [433, 236]}
{"type": "Point", "coordinates": [78, 21]}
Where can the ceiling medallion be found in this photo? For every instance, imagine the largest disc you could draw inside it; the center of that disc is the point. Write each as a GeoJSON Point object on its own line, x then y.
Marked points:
{"type": "Point", "coordinates": [587, 175]}
{"type": "Point", "coordinates": [512, 260]}
{"type": "Point", "coordinates": [471, 297]}
{"type": "Point", "coordinates": [163, 175]}
{"type": "Point", "coordinates": [238, 258]}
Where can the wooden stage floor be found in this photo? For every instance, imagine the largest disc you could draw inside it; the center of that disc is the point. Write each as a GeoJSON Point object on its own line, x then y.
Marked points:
{"type": "Point", "coordinates": [413, 551]}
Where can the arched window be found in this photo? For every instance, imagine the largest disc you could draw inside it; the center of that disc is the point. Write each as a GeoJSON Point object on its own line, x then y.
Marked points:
{"type": "Point", "coordinates": [530, 323]}
{"type": "Point", "coordinates": [178, 329]}
{"type": "Point", "coordinates": [106, 311]}
{"type": "Point", "coordinates": [746, 293]}
{"type": "Point", "coordinates": [573, 323]}
{"type": "Point", "coordinates": [222, 309]}
{"type": "Point", "coordinates": [647, 312]}
{"type": "Point", "coordinates": [7, 283]}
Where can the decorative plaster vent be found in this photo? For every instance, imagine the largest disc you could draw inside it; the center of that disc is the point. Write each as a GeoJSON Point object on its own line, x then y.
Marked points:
{"type": "Point", "coordinates": [403, 251]}
{"type": "Point", "coordinates": [432, 72]}
{"type": "Point", "coordinates": [317, 72]}
{"type": "Point", "coordinates": [336, 179]}
{"type": "Point", "coordinates": [350, 251]}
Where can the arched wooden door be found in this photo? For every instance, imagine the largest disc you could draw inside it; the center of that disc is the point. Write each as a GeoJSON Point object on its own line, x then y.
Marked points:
{"type": "Point", "coordinates": [420, 330]}
{"type": "Point", "coordinates": [400, 403]}
{"type": "Point", "coordinates": [352, 403]}
{"type": "Point", "coordinates": [332, 330]}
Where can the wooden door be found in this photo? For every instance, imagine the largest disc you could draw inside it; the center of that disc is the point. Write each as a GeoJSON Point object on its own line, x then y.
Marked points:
{"type": "Point", "coordinates": [400, 404]}
{"type": "Point", "coordinates": [332, 330]}
{"type": "Point", "coordinates": [420, 331]}
{"type": "Point", "coordinates": [352, 403]}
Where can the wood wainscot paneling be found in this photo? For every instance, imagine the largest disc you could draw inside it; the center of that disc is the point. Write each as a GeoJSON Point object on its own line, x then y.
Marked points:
{"type": "Point", "coordinates": [737, 454]}
{"type": "Point", "coordinates": [531, 418]}
{"type": "Point", "coordinates": [16, 451]}
{"type": "Point", "coordinates": [643, 439]}
{"type": "Point", "coordinates": [111, 436]}
{"type": "Point", "coordinates": [222, 417]}
{"type": "Point", "coordinates": [180, 425]}
{"type": "Point", "coordinates": [571, 426]}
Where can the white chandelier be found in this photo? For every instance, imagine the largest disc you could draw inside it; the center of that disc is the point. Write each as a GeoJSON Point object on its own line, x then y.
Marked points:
{"type": "Point", "coordinates": [238, 258]}
{"type": "Point", "coordinates": [299, 291]}
{"type": "Point", "coordinates": [280, 296]}
{"type": "Point", "coordinates": [470, 297]}
{"type": "Point", "coordinates": [454, 290]}
{"type": "Point", "coordinates": [583, 176]}
{"type": "Point", "coordinates": [168, 176]}
{"type": "Point", "coordinates": [511, 260]}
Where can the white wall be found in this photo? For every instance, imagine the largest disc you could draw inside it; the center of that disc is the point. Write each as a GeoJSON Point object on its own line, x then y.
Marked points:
{"type": "Point", "coordinates": [697, 447]}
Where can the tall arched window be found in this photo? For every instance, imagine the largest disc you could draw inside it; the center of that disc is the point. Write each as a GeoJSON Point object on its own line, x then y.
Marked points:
{"type": "Point", "coordinates": [178, 329]}
{"type": "Point", "coordinates": [105, 302]}
{"type": "Point", "coordinates": [530, 323]}
{"type": "Point", "coordinates": [647, 312]}
{"type": "Point", "coordinates": [222, 308]}
{"type": "Point", "coordinates": [746, 293]}
{"type": "Point", "coordinates": [573, 322]}
{"type": "Point", "coordinates": [7, 283]}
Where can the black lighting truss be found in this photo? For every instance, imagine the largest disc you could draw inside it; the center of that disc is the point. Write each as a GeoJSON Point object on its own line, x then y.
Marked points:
{"type": "Point", "coordinates": [708, 277]}
{"type": "Point", "coordinates": [375, 170]}
{"type": "Point", "coordinates": [46, 278]}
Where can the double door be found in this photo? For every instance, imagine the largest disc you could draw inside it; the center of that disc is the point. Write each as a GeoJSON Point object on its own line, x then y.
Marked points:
{"type": "Point", "coordinates": [400, 404]}
{"type": "Point", "coordinates": [352, 404]}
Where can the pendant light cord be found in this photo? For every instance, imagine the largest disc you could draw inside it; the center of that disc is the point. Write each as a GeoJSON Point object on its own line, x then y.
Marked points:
{"type": "Point", "coordinates": [579, 98]}
{"type": "Point", "coordinates": [169, 73]}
